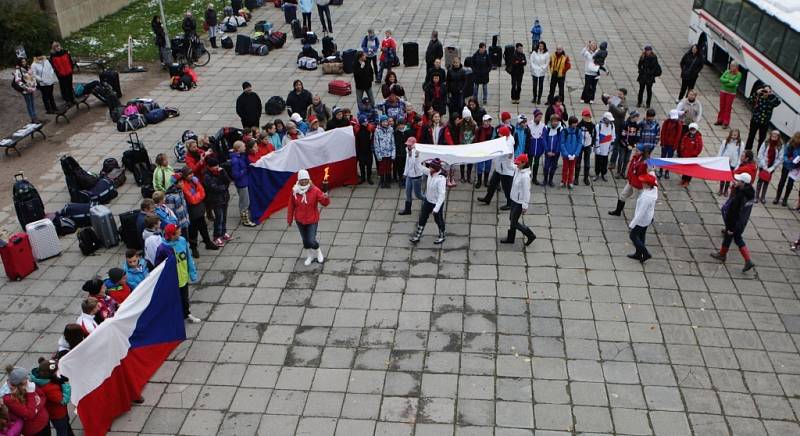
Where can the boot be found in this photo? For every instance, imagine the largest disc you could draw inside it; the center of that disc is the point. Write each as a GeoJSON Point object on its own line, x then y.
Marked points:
{"type": "Point", "coordinates": [406, 210]}
{"type": "Point", "coordinates": [660, 173]}
{"type": "Point", "coordinates": [418, 234]}
{"type": "Point", "coordinates": [509, 238]}
{"type": "Point", "coordinates": [585, 180]}
{"type": "Point", "coordinates": [246, 219]}
{"type": "Point", "coordinates": [722, 255]}
{"type": "Point", "coordinates": [618, 210]}
{"type": "Point", "coordinates": [320, 257]}
{"type": "Point", "coordinates": [469, 174]}
{"type": "Point", "coordinates": [748, 264]}
{"type": "Point", "coordinates": [309, 257]}
{"type": "Point", "coordinates": [213, 41]}
{"type": "Point", "coordinates": [486, 178]}
{"type": "Point", "coordinates": [529, 237]}
{"type": "Point", "coordinates": [478, 181]}
{"type": "Point", "coordinates": [193, 247]}
{"type": "Point", "coordinates": [440, 239]}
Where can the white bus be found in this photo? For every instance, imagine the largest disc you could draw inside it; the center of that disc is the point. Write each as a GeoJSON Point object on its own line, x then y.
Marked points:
{"type": "Point", "coordinates": [763, 36]}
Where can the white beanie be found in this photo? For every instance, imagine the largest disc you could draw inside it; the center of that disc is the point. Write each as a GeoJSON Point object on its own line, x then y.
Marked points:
{"type": "Point", "coordinates": [694, 126]}
{"type": "Point", "coordinates": [466, 113]}
{"type": "Point", "coordinates": [743, 177]}
{"type": "Point", "coordinates": [303, 174]}
{"type": "Point", "coordinates": [296, 117]}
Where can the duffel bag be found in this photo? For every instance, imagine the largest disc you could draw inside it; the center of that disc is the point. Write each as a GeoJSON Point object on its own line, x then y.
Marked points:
{"type": "Point", "coordinates": [307, 63]}
{"type": "Point", "coordinates": [131, 123]}
{"type": "Point", "coordinates": [117, 177]}
{"type": "Point", "coordinates": [332, 68]}
{"type": "Point", "coordinates": [78, 213]}
{"type": "Point", "coordinates": [275, 105]}
{"type": "Point", "coordinates": [276, 39]}
{"type": "Point", "coordinates": [102, 193]}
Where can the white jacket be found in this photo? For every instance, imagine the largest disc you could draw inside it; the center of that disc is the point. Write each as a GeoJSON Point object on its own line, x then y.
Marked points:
{"type": "Point", "coordinates": [606, 135]}
{"type": "Point", "coordinates": [762, 157]}
{"type": "Point", "coordinates": [732, 150]}
{"type": "Point", "coordinates": [538, 63]}
{"type": "Point", "coordinates": [521, 187]}
{"type": "Point", "coordinates": [413, 167]}
{"type": "Point", "coordinates": [645, 208]}
{"type": "Point", "coordinates": [436, 191]}
{"type": "Point", "coordinates": [504, 165]}
{"type": "Point", "coordinates": [44, 73]}
{"type": "Point", "coordinates": [590, 68]}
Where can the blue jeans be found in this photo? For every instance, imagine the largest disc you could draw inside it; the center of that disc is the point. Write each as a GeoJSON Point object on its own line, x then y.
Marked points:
{"type": "Point", "coordinates": [220, 220]}
{"type": "Point", "coordinates": [485, 87]}
{"type": "Point", "coordinates": [483, 167]}
{"type": "Point", "coordinates": [414, 184]}
{"type": "Point", "coordinates": [308, 232]}
{"type": "Point", "coordinates": [30, 106]}
{"type": "Point", "coordinates": [62, 426]}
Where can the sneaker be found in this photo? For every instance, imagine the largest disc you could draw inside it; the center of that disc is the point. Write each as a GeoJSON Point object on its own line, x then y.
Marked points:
{"type": "Point", "coordinates": [192, 319]}
{"type": "Point", "coordinates": [212, 246]}
{"type": "Point", "coordinates": [219, 242]}
{"type": "Point", "coordinates": [226, 237]}
{"type": "Point", "coordinates": [308, 261]}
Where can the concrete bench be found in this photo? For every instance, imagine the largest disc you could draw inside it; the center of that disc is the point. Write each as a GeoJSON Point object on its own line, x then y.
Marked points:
{"type": "Point", "coordinates": [10, 142]}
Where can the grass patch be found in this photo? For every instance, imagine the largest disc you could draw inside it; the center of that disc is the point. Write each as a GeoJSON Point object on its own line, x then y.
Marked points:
{"type": "Point", "coordinates": [107, 38]}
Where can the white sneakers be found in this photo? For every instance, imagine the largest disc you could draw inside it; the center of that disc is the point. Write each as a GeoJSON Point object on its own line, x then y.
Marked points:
{"type": "Point", "coordinates": [311, 254]}
{"type": "Point", "coordinates": [309, 258]}
{"type": "Point", "coordinates": [320, 258]}
{"type": "Point", "coordinates": [192, 319]}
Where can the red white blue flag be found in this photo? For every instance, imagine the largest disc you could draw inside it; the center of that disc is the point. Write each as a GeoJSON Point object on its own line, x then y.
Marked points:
{"type": "Point", "coordinates": [707, 168]}
{"type": "Point", "coordinates": [109, 369]}
{"type": "Point", "coordinates": [329, 156]}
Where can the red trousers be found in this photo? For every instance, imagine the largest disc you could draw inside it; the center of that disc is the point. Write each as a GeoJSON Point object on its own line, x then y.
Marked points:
{"type": "Point", "coordinates": [385, 167]}
{"type": "Point", "coordinates": [567, 171]}
{"type": "Point", "coordinates": [725, 107]}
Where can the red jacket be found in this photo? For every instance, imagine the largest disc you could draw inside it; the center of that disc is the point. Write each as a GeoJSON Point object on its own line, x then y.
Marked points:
{"type": "Point", "coordinates": [306, 212]}
{"type": "Point", "coordinates": [193, 191]}
{"type": "Point", "coordinates": [53, 394]}
{"type": "Point", "coordinates": [671, 131]}
{"type": "Point", "coordinates": [690, 146]}
{"type": "Point", "coordinates": [385, 44]}
{"type": "Point", "coordinates": [33, 412]}
{"type": "Point", "coordinates": [749, 168]}
{"type": "Point", "coordinates": [197, 165]}
{"type": "Point", "coordinates": [636, 168]}
{"type": "Point", "coordinates": [62, 63]}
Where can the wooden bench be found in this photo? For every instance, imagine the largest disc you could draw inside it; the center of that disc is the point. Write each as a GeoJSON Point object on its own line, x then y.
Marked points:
{"type": "Point", "coordinates": [62, 111]}
{"type": "Point", "coordinates": [10, 142]}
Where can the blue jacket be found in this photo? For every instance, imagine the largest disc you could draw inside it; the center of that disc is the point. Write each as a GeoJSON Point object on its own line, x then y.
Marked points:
{"type": "Point", "coordinates": [368, 44]}
{"type": "Point", "coordinates": [185, 262]}
{"type": "Point", "coordinates": [305, 6]}
{"type": "Point", "coordinates": [239, 164]}
{"type": "Point", "coordinates": [536, 148]}
{"type": "Point", "coordinates": [136, 275]}
{"type": "Point", "coordinates": [276, 140]}
{"type": "Point", "coordinates": [789, 155]}
{"type": "Point", "coordinates": [536, 32]}
{"type": "Point", "coordinates": [552, 144]}
{"type": "Point", "coordinates": [302, 126]}
{"type": "Point", "coordinates": [522, 137]}
{"type": "Point", "coordinates": [165, 217]}
{"type": "Point", "coordinates": [573, 142]}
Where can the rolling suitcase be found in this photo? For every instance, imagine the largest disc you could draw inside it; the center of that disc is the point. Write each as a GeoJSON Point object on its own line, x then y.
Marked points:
{"type": "Point", "coordinates": [243, 44]}
{"type": "Point", "coordinates": [289, 12]}
{"type": "Point", "coordinates": [297, 30]}
{"type": "Point", "coordinates": [469, 82]}
{"type": "Point", "coordinates": [137, 154]}
{"type": "Point", "coordinates": [339, 87]}
{"type": "Point", "coordinates": [449, 53]}
{"type": "Point", "coordinates": [44, 239]}
{"type": "Point", "coordinates": [127, 230]}
{"type": "Point", "coordinates": [496, 56]}
{"type": "Point", "coordinates": [17, 256]}
{"type": "Point", "coordinates": [349, 60]}
{"type": "Point", "coordinates": [104, 225]}
{"type": "Point", "coordinates": [410, 54]}
{"type": "Point", "coordinates": [27, 202]}
{"type": "Point", "coordinates": [112, 78]}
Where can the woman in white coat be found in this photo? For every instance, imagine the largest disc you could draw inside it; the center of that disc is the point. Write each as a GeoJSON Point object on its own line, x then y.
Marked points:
{"type": "Point", "coordinates": [520, 197]}
{"type": "Point", "coordinates": [46, 78]}
{"type": "Point", "coordinates": [540, 60]}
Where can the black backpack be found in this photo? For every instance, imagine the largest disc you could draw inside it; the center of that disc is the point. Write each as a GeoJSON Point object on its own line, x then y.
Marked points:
{"type": "Point", "coordinates": [275, 105]}
{"type": "Point", "coordinates": [88, 241]}
{"type": "Point", "coordinates": [76, 176]}
{"type": "Point", "coordinates": [110, 164]}
{"type": "Point", "coordinates": [64, 226]}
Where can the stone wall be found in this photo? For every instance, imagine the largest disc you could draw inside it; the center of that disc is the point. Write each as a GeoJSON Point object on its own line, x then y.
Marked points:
{"type": "Point", "coordinates": [73, 15]}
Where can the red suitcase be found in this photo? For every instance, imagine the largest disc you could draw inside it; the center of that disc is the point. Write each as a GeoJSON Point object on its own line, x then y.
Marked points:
{"type": "Point", "coordinates": [17, 256]}
{"type": "Point", "coordinates": [339, 87]}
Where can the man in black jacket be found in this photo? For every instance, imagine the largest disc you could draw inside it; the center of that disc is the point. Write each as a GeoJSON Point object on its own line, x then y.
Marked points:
{"type": "Point", "coordinates": [481, 67]}
{"type": "Point", "coordinates": [516, 69]}
{"type": "Point", "coordinates": [435, 69]}
{"type": "Point", "coordinates": [362, 76]}
{"type": "Point", "coordinates": [248, 107]}
{"type": "Point", "coordinates": [189, 26]}
{"type": "Point", "coordinates": [434, 50]}
{"type": "Point", "coordinates": [456, 78]}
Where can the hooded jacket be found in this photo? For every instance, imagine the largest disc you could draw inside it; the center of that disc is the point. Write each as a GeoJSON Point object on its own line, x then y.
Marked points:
{"type": "Point", "coordinates": [690, 146]}
{"type": "Point", "coordinates": [194, 193]}
{"type": "Point", "coordinates": [671, 131]}
{"type": "Point", "coordinates": [44, 73]}
{"type": "Point", "coordinates": [136, 275]}
{"type": "Point", "coordinates": [538, 140]}
{"type": "Point", "coordinates": [306, 212]}
{"type": "Point", "coordinates": [522, 137]}
{"type": "Point", "coordinates": [239, 164]}
{"type": "Point", "coordinates": [180, 249]}
{"type": "Point", "coordinates": [57, 394]}
{"type": "Point", "coordinates": [33, 412]}
{"type": "Point", "coordinates": [552, 143]}
{"type": "Point", "coordinates": [572, 143]}
{"type": "Point", "coordinates": [383, 143]}
{"type": "Point", "coordinates": [736, 211]}
{"type": "Point", "coordinates": [521, 187]}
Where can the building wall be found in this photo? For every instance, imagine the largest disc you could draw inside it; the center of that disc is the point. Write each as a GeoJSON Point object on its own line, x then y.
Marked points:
{"type": "Point", "coordinates": [73, 15]}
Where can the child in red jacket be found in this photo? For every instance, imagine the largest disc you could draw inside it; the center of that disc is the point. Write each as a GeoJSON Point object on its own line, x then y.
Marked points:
{"type": "Point", "coordinates": [57, 393]}
{"type": "Point", "coordinates": [671, 131]}
{"type": "Point", "coordinates": [304, 209]}
{"type": "Point", "coordinates": [691, 145]}
{"type": "Point", "coordinates": [26, 402]}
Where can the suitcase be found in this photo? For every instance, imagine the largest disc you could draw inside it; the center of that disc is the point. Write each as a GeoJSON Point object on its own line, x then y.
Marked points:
{"type": "Point", "coordinates": [449, 53]}
{"type": "Point", "coordinates": [136, 154]}
{"type": "Point", "coordinates": [17, 256]}
{"type": "Point", "coordinates": [276, 39]}
{"type": "Point", "coordinates": [410, 54]}
{"type": "Point", "coordinates": [243, 43]}
{"type": "Point", "coordinates": [226, 42]}
{"type": "Point", "coordinates": [112, 78]}
{"type": "Point", "coordinates": [297, 30]}
{"type": "Point", "coordinates": [469, 82]}
{"type": "Point", "coordinates": [128, 231]}
{"type": "Point", "coordinates": [78, 212]}
{"type": "Point", "coordinates": [104, 225]}
{"type": "Point", "coordinates": [289, 12]}
{"type": "Point", "coordinates": [259, 50]}
{"type": "Point", "coordinates": [44, 239]}
{"type": "Point", "coordinates": [496, 56]}
{"type": "Point", "coordinates": [339, 87]}
{"type": "Point", "coordinates": [328, 46]}
{"type": "Point", "coordinates": [349, 60]}
{"type": "Point", "coordinates": [27, 202]}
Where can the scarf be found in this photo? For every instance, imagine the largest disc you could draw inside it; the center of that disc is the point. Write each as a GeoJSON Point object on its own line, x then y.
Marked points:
{"type": "Point", "coordinates": [299, 189]}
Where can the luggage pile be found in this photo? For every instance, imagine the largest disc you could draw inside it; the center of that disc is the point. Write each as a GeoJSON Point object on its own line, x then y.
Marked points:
{"type": "Point", "coordinates": [259, 43]}
{"type": "Point", "coordinates": [140, 112]}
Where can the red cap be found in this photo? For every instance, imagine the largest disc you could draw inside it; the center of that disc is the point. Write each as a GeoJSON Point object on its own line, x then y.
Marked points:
{"type": "Point", "coordinates": [170, 230]}
{"type": "Point", "coordinates": [312, 118]}
{"type": "Point", "coordinates": [505, 116]}
{"type": "Point", "coordinates": [649, 179]}
{"type": "Point", "coordinates": [521, 159]}
{"type": "Point", "coordinates": [504, 131]}
{"type": "Point", "coordinates": [411, 141]}
{"type": "Point", "coordinates": [586, 112]}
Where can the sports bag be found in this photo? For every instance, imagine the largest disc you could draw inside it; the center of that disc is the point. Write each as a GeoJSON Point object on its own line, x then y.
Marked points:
{"type": "Point", "coordinates": [275, 105]}
{"type": "Point", "coordinates": [130, 109]}
{"type": "Point", "coordinates": [102, 193]}
{"type": "Point", "coordinates": [64, 226]}
{"type": "Point", "coordinates": [156, 116]}
{"type": "Point", "coordinates": [131, 123]}
{"type": "Point", "coordinates": [276, 39]}
{"type": "Point", "coordinates": [310, 38]}
{"type": "Point", "coordinates": [259, 50]}
{"type": "Point", "coordinates": [226, 41]}
{"type": "Point", "coordinates": [332, 68]}
{"type": "Point", "coordinates": [307, 63]}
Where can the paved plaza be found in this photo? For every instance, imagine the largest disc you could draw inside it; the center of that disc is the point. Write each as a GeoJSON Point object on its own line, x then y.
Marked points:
{"type": "Point", "coordinates": [474, 337]}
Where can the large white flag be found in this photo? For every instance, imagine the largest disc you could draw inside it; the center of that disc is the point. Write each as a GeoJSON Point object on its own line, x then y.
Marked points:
{"type": "Point", "coordinates": [466, 154]}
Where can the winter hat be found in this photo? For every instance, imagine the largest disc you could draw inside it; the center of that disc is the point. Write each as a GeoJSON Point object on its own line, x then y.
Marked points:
{"type": "Point", "coordinates": [116, 274]}
{"type": "Point", "coordinates": [303, 175]}
{"type": "Point", "coordinates": [487, 117]}
{"type": "Point", "coordinates": [336, 110]}
{"type": "Point", "coordinates": [521, 118]}
{"type": "Point", "coordinates": [648, 47]}
{"type": "Point", "coordinates": [246, 85]}
{"type": "Point", "coordinates": [521, 159]}
{"type": "Point", "coordinates": [212, 162]}
{"type": "Point", "coordinates": [312, 119]}
{"type": "Point", "coordinates": [608, 116]}
{"type": "Point", "coordinates": [362, 119]}
{"type": "Point", "coordinates": [466, 113]}
{"type": "Point", "coordinates": [603, 45]}
{"type": "Point", "coordinates": [651, 179]}
{"type": "Point", "coordinates": [170, 230]}
{"type": "Point", "coordinates": [435, 164]}
{"type": "Point", "coordinates": [17, 376]}
{"type": "Point", "coordinates": [383, 118]}
{"type": "Point", "coordinates": [92, 286]}
{"type": "Point", "coordinates": [694, 126]}
{"type": "Point", "coordinates": [296, 117]}
{"type": "Point", "coordinates": [675, 114]}
{"type": "Point", "coordinates": [586, 112]}
{"type": "Point", "coordinates": [411, 141]}
{"type": "Point", "coordinates": [536, 113]}
{"type": "Point", "coordinates": [504, 131]}
{"type": "Point", "coordinates": [505, 116]}
{"type": "Point", "coordinates": [743, 177]}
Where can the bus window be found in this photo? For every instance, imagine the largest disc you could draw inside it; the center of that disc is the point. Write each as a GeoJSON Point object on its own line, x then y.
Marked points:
{"type": "Point", "coordinates": [769, 40]}
{"type": "Point", "coordinates": [749, 18]}
{"type": "Point", "coordinates": [730, 12]}
{"type": "Point", "coordinates": [788, 56]}
{"type": "Point", "coordinates": [712, 6]}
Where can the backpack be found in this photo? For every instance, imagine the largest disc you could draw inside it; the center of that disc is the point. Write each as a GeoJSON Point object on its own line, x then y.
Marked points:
{"type": "Point", "coordinates": [180, 152]}
{"type": "Point", "coordinates": [117, 177]}
{"type": "Point", "coordinates": [310, 38]}
{"type": "Point", "coordinates": [17, 87]}
{"type": "Point", "coordinates": [391, 59]}
{"type": "Point", "coordinates": [88, 241]}
{"type": "Point", "coordinates": [187, 135]}
{"type": "Point", "coordinates": [275, 105]}
{"type": "Point", "coordinates": [109, 164]}
{"type": "Point", "coordinates": [64, 226]}
{"type": "Point", "coordinates": [307, 63]}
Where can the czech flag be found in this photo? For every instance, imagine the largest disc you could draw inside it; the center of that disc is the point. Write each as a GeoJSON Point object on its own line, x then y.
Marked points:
{"type": "Point", "coordinates": [328, 156]}
{"type": "Point", "coordinates": [707, 168]}
{"type": "Point", "coordinates": [109, 369]}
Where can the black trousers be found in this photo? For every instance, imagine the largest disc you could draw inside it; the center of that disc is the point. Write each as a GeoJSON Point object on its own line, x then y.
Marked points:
{"type": "Point", "coordinates": [686, 85]}
{"type": "Point", "coordinates": [513, 217]}
{"type": "Point", "coordinates": [637, 235]}
{"type": "Point", "coordinates": [516, 86]}
{"type": "Point", "coordinates": [535, 167]}
{"type": "Point", "coordinates": [365, 167]}
{"type": "Point", "coordinates": [642, 88]}
{"type": "Point", "coordinates": [586, 157]}
{"type": "Point", "coordinates": [427, 210]}
{"type": "Point", "coordinates": [496, 181]}
{"type": "Point", "coordinates": [47, 98]}
{"type": "Point", "coordinates": [538, 88]}
{"type": "Point", "coordinates": [185, 300]}
{"type": "Point", "coordinates": [788, 182]}
{"type": "Point", "coordinates": [198, 225]}
{"type": "Point", "coordinates": [600, 165]}
{"type": "Point", "coordinates": [555, 81]}
{"type": "Point", "coordinates": [307, 21]}
{"type": "Point", "coordinates": [67, 93]}
{"type": "Point", "coordinates": [761, 129]}
{"type": "Point", "coordinates": [589, 87]}
{"type": "Point", "coordinates": [325, 12]}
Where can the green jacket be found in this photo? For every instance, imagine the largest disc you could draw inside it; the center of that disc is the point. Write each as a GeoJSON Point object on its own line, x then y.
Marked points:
{"type": "Point", "coordinates": [729, 82]}
{"type": "Point", "coordinates": [162, 178]}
